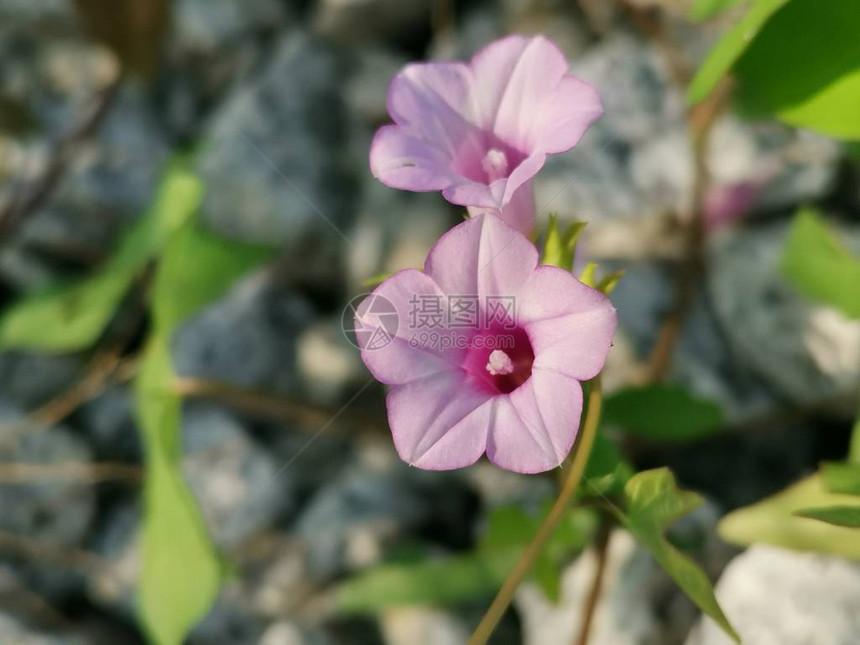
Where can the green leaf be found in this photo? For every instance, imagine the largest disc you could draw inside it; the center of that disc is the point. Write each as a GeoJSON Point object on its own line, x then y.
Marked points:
{"type": "Point", "coordinates": [197, 268]}
{"type": "Point", "coordinates": [440, 581]}
{"type": "Point", "coordinates": [837, 515]}
{"type": "Point", "coordinates": [64, 319]}
{"type": "Point", "coordinates": [73, 317]}
{"type": "Point", "coordinates": [181, 572]}
{"type": "Point", "coordinates": [560, 248]}
{"type": "Point", "coordinates": [662, 411]}
{"type": "Point", "coordinates": [772, 521]}
{"type": "Point", "coordinates": [841, 477]}
{"type": "Point", "coordinates": [654, 502]}
{"type": "Point", "coordinates": [705, 9]}
{"type": "Point", "coordinates": [804, 67]}
{"type": "Point", "coordinates": [730, 48]}
{"type": "Point", "coordinates": [819, 266]}
{"type": "Point", "coordinates": [606, 472]}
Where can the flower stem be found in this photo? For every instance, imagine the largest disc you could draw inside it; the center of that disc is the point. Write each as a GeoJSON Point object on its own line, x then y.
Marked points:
{"type": "Point", "coordinates": [547, 528]}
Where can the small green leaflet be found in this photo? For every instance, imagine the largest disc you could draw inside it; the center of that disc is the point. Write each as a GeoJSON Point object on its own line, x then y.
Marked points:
{"type": "Point", "coordinates": [730, 48]}
{"type": "Point", "coordinates": [654, 502]}
{"type": "Point", "coordinates": [663, 412]}
{"type": "Point", "coordinates": [559, 248]}
{"type": "Point", "coordinates": [773, 521]}
{"type": "Point", "coordinates": [72, 317]}
{"type": "Point", "coordinates": [836, 515]}
{"type": "Point", "coordinates": [819, 266]}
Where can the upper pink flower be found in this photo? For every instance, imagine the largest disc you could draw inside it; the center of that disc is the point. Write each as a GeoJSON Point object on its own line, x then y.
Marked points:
{"type": "Point", "coordinates": [508, 384]}
{"type": "Point", "coordinates": [480, 131]}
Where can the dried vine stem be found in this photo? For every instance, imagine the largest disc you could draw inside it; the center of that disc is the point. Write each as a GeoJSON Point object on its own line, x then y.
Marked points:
{"type": "Point", "coordinates": [547, 528]}
{"type": "Point", "coordinates": [34, 195]}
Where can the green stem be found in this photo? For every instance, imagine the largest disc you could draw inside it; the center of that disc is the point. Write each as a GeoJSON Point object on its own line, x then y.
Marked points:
{"type": "Point", "coordinates": [547, 528]}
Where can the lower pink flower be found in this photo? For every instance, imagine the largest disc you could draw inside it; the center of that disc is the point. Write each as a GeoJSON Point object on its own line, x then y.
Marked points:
{"type": "Point", "coordinates": [489, 353]}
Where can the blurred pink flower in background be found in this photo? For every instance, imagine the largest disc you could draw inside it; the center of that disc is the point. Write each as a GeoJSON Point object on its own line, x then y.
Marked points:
{"type": "Point", "coordinates": [479, 132]}
{"type": "Point", "coordinates": [509, 385]}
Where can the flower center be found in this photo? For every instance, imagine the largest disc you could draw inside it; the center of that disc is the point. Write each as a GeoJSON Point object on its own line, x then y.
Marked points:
{"type": "Point", "coordinates": [495, 164]}
{"type": "Point", "coordinates": [499, 363]}
{"type": "Point", "coordinates": [500, 360]}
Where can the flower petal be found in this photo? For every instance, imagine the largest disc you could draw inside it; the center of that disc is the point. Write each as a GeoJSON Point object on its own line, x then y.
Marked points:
{"type": "Point", "coordinates": [516, 76]}
{"type": "Point", "coordinates": [434, 102]}
{"type": "Point", "coordinates": [483, 256]}
{"type": "Point", "coordinates": [535, 426]}
{"type": "Point", "coordinates": [400, 160]}
{"type": "Point", "coordinates": [565, 117]}
{"type": "Point", "coordinates": [570, 325]}
{"type": "Point", "coordinates": [397, 361]}
{"type": "Point", "coordinates": [439, 423]}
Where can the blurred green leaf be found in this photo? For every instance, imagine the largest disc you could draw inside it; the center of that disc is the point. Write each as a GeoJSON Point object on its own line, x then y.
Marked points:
{"type": "Point", "coordinates": [841, 478]}
{"type": "Point", "coordinates": [606, 472]}
{"type": "Point", "coordinates": [705, 9]}
{"type": "Point", "coordinates": [181, 572]}
{"type": "Point", "coordinates": [64, 319]}
{"type": "Point", "coordinates": [836, 515]}
{"type": "Point", "coordinates": [662, 411]}
{"type": "Point", "coordinates": [773, 521]}
{"type": "Point", "coordinates": [560, 248]}
{"type": "Point", "coordinates": [804, 67]}
{"type": "Point", "coordinates": [511, 526]}
{"type": "Point", "coordinates": [819, 266]}
{"type": "Point", "coordinates": [441, 581]}
{"type": "Point", "coordinates": [72, 317]}
{"type": "Point", "coordinates": [197, 268]}
{"type": "Point", "coordinates": [730, 48]}
{"type": "Point", "coordinates": [654, 502]}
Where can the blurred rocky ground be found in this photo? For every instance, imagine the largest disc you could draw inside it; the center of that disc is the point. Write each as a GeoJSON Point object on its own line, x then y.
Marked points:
{"type": "Point", "coordinates": [281, 99]}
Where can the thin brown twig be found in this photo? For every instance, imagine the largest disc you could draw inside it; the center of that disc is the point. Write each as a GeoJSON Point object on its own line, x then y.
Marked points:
{"type": "Point", "coordinates": [49, 553]}
{"type": "Point", "coordinates": [601, 550]}
{"type": "Point", "coordinates": [262, 404]}
{"type": "Point", "coordinates": [102, 367]}
{"type": "Point", "coordinates": [32, 196]}
{"type": "Point", "coordinates": [700, 120]}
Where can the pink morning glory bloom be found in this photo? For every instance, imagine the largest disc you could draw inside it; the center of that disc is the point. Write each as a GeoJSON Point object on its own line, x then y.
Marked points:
{"type": "Point", "coordinates": [503, 377]}
{"type": "Point", "coordinates": [479, 132]}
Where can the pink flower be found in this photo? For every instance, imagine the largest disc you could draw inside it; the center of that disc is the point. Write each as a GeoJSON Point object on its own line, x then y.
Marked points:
{"type": "Point", "coordinates": [508, 384]}
{"type": "Point", "coordinates": [479, 132]}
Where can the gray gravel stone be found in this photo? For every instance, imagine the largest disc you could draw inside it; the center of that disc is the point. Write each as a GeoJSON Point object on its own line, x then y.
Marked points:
{"type": "Point", "coordinates": [778, 597]}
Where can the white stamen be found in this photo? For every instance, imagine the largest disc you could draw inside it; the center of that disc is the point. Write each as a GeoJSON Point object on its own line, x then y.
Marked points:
{"type": "Point", "coordinates": [499, 363]}
{"type": "Point", "coordinates": [495, 164]}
